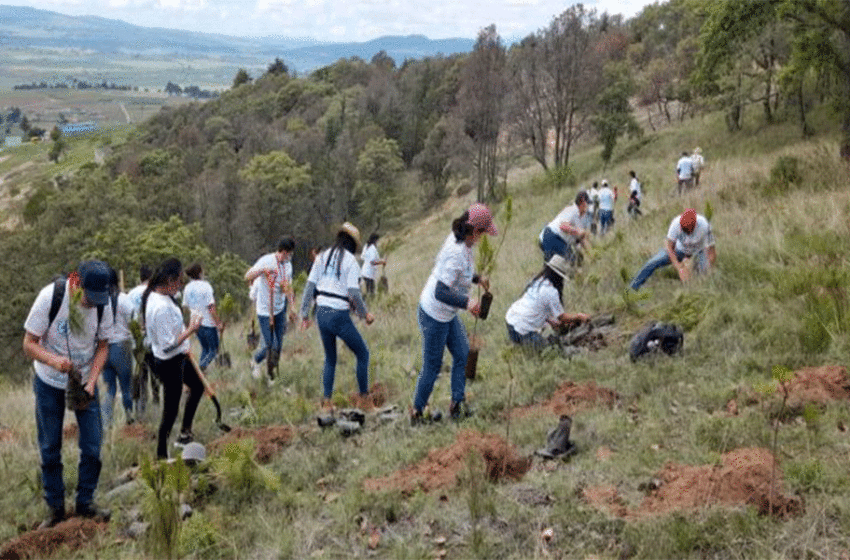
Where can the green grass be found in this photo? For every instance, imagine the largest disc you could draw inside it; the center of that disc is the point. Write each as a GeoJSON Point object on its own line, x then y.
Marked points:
{"type": "Point", "coordinates": [748, 316]}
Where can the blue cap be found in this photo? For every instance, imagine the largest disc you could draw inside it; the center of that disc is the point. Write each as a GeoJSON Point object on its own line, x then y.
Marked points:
{"type": "Point", "coordinates": [95, 280]}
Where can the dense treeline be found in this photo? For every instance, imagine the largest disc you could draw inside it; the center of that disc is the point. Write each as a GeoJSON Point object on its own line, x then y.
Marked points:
{"type": "Point", "coordinates": [374, 142]}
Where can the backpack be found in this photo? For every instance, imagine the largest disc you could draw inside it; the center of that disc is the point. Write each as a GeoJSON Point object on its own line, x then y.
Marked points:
{"type": "Point", "coordinates": [59, 295]}
{"type": "Point", "coordinates": [655, 337]}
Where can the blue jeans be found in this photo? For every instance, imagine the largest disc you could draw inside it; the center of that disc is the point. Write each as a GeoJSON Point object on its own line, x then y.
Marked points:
{"type": "Point", "coordinates": [208, 337]}
{"type": "Point", "coordinates": [49, 416]}
{"type": "Point", "coordinates": [274, 339]}
{"type": "Point", "coordinates": [533, 339]}
{"type": "Point", "coordinates": [337, 323]}
{"type": "Point", "coordinates": [437, 336]}
{"type": "Point", "coordinates": [554, 244]}
{"type": "Point", "coordinates": [118, 369]}
{"type": "Point", "coordinates": [606, 220]}
{"type": "Point", "coordinates": [661, 259]}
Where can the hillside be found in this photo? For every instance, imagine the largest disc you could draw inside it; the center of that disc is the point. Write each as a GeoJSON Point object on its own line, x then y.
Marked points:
{"type": "Point", "coordinates": [646, 432]}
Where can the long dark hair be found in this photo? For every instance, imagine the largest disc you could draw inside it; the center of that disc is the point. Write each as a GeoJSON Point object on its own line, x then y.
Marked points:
{"type": "Point", "coordinates": [344, 242]}
{"type": "Point", "coordinates": [170, 269]}
{"type": "Point", "coordinates": [548, 274]}
{"type": "Point", "coordinates": [461, 227]}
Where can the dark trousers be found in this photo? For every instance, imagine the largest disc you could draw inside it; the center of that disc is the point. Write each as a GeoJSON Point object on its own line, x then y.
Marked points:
{"type": "Point", "coordinates": [173, 374]}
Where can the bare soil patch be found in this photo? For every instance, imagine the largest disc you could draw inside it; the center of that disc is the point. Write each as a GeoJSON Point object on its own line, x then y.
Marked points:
{"type": "Point", "coordinates": [378, 395]}
{"type": "Point", "coordinates": [572, 397]}
{"type": "Point", "coordinates": [270, 440]}
{"type": "Point", "coordinates": [744, 478]}
{"type": "Point", "coordinates": [7, 436]}
{"type": "Point", "coordinates": [815, 385]}
{"type": "Point", "coordinates": [138, 431]}
{"type": "Point", "coordinates": [73, 534]}
{"type": "Point", "coordinates": [440, 469]}
{"type": "Point", "coordinates": [70, 431]}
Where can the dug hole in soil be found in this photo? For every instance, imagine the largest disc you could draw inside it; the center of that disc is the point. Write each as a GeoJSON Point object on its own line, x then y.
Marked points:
{"type": "Point", "coordinates": [73, 534]}
{"type": "Point", "coordinates": [270, 440]}
{"type": "Point", "coordinates": [746, 477]}
{"type": "Point", "coordinates": [440, 469]}
{"type": "Point", "coordinates": [814, 385]}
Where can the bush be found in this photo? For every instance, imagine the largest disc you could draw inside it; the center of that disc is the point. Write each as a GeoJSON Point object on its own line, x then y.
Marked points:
{"type": "Point", "coordinates": [785, 173]}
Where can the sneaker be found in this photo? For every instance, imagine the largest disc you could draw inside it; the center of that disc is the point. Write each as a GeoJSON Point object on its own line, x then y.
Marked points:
{"type": "Point", "coordinates": [54, 518]}
{"type": "Point", "coordinates": [256, 372]}
{"type": "Point", "coordinates": [91, 511]}
{"type": "Point", "coordinates": [185, 437]}
{"type": "Point", "coordinates": [459, 411]}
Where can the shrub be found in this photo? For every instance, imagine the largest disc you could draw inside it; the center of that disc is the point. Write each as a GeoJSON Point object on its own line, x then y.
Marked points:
{"type": "Point", "coordinates": [785, 172]}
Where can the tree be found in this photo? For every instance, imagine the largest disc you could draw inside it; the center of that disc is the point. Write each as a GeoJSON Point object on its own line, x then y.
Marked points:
{"type": "Point", "coordinates": [379, 168]}
{"type": "Point", "coordinates": [527, 102]}
{"type": "Point", "coordinates": [277, 68]}
{"type": "Point", "coordinates": [481, 97]}
{"type": "Point", "coordinates": [241, 77]}
{"type": "Point", "coordinates": [614, 117]}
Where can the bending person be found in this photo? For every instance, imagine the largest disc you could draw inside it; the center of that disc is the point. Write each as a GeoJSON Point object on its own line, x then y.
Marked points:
{"type": "Point", "coordinates": [541, 303]}
{"type": "Point", "coordinates": [333, 283]}
{"type": "Point", "coordinates": [170, 345]}
{"type": "Point", "coordinates": [567, 229]}
{"type": "Point", "coordinates": [445, 293]}
{"type": "Point", "coordinates": [689, 236]}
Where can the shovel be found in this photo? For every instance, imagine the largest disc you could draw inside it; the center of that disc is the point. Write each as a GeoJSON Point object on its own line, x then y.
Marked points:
{"type": "Point", "coordinates": [383, 283]}
{"type": "Point", "coordinates": [211, 393]}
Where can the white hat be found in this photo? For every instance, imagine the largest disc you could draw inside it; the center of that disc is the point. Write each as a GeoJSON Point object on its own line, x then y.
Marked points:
{"type": "Point", "coordinates": [604, 182]}
{"type": "Point", "coordinates": [194, 452]}
{"type": "Point", "coordinates": [559, 264]}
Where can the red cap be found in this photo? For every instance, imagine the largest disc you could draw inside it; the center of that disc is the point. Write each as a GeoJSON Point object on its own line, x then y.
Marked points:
{"type": "Point", "coordinates": [688, 219]}
{"type": "Point", "coordinates": [481, 218]}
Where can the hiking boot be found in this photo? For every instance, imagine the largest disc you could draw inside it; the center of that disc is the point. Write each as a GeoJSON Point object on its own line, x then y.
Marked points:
{"type": "Point", "coordinates": [54, 518]}
{"type": "Point", "coordinates": [91, 511]}
{"type": "Point", "coordinates": [185, 437]}
{"type": "Point", "coordinates": [459, 411]}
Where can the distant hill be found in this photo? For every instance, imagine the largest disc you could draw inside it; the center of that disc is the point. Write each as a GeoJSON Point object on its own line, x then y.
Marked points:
{"type": "Point", "coordinates": [32, 28]}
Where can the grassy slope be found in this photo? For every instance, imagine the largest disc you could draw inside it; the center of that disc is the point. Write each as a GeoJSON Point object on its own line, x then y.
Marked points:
{"type": "Point", "coordinates": [743, 319]}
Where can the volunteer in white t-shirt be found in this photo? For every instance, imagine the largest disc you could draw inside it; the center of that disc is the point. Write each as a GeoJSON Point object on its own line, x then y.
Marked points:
{"type": "Point", "coordinates": [684, 173]}
{"type": "Point", "coordinates": [541, 304]}
{"type": "Point", "coordinates": [568, 228]}
{"type": "Point", "coordinates": [333, 283]}
{"type": "Point", "coordinates": [689, 236]}
{"type": "Point", "coordinates": [635, 195]}
{"type": "Point", "coordinates": [76, 339]}
{"type": "Point", "coordinates": [118, 369]}
{"type": "Point", "coordinates": [273, 301]}
{"type": "Point", "coordinates": [170, 346]}
{"type": "Point", "coordinates": [445, 293]}
{"type": "Point", "coordinates": [198, 297]}
{"type": "Point", "coordinates": [698, 163]}
{"type": "Point", "coordinates": [607, 198]}
{"type": "Point", "coordinates": [371, 259]}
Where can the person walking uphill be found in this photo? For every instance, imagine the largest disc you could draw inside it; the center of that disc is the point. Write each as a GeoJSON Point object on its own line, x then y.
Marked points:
{"type": "Point", "coordinates": [541, 303]}
{"type": "Point", "coordinates": [170, 345]}
{"type": "Point", "coordinates": [446, 292]}
{"type": "Point", "coordinates": [66, 336]}
{"type": "Point", "coordinates": [689, 235]}
{"type": "Point", "coordinates": [333, 283]}
{"type": "Point", "coordinates": [371, 259]}
{"type": "Point", "coordinates": [684, 173]}
{"type": "Point", "coordinates": [273, 300]}
{"type": "Point", "coordinates": [118, 369]}
{"type": "Point", "coordinates": [198, 297]}
{"type": "Point", "coordinates": [568, 228]}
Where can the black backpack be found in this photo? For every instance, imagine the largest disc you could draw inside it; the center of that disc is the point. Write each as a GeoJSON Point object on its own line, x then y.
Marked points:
{"type": "Point", "coordinates": [655, 337]}
{"type": "Point", "coordinates": [59, 294]}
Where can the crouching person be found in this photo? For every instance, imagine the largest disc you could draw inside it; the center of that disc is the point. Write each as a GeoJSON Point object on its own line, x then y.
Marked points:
{"type": "Point", "coordinates": [66, 336]}
{"type": "Point", "coordinates": [541, 303]}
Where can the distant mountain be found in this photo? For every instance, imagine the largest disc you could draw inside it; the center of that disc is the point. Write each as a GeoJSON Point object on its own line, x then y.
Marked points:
{"type": "Point", "coordinates": [32, 28]}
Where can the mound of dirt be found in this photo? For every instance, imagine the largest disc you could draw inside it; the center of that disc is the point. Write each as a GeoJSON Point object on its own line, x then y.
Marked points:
{"type": "Point", "coordinates": [378, 394]}
{"type": "Point", "coordinates": [270, 440]}
{"type": "Point", "coordinates": [570, 398]}
{"type": "Point", "coordinates": [73, 534]}
{"type": "Point", "coordinates": [440, 469]}
{"type": "Point", "coordinates": [138, 431]}
{"type": "Point", "coordinates": [745, 477]}
{"type": "Point", "coordinates": [815, 385]}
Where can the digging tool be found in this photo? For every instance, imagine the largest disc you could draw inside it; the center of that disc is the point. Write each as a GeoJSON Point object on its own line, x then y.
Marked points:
{"type": "Point", "coordinates": [253, 338]}
{"type": "Point", "coordinates": [383, 283]}
{"type": "Point", "coordinates": [211, 393]}
{"type": "Point", "coordinates": [271, 358]}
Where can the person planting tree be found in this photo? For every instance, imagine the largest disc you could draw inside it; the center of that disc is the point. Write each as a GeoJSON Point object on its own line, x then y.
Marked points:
{"type": "Point", "coordinates": [445, 293]}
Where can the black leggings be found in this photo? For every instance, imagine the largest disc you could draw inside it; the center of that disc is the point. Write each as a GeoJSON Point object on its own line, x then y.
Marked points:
{"type": "Point", "coordinates": [171, 376]}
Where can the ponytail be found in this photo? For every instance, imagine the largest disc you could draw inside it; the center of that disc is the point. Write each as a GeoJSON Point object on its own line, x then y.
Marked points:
{"type": "Point", "coordinates": [344, 242]}
{"type": "Point", "coordinates": [170, 269]}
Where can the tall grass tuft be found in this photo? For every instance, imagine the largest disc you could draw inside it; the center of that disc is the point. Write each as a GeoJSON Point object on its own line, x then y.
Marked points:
{"type": "Point", "coordinates": [167, 483]}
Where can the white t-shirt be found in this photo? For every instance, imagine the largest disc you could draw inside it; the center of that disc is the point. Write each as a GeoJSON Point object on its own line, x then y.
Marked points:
{"type": "Point", "coordinates": [455, 268]}
{"type": "Point", "coordinates": [135, 296]}
{"type": "Point", "coordinates": [324, 276]}
{"type": "Point", "coordinates": [538, 303]}
{"type": "Point", "coordinates": [606, 198]}
{"type": "Point", "coordinates": [694, 242]}
{"type": "Point", "coordinates": [280, 270]}
{"type": "Point", "coordinates": [198, 296]}
{"type": "Point", "coordinates": [634, 187]}
{"type": "Point", "coordinates": [593, 194]}
{"type": "Point", "coordinates": [685, 167]}
{"type": "Point", "coordinates": [121, 329]}
{"type": "Point", "coordinates": [59, 339]}
{"type": "Point", "coordinates": [369, 255]}
{"type": "Point", "coordinates": [570, 215]}
{"type": "Point", "coordinates": [163, 326]}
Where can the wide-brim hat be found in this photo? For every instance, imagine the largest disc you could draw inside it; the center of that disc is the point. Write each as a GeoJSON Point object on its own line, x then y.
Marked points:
{"type": "Point", "coordinates": [352, 231]}
{"type": "Point", "coordinates": [559, 264]}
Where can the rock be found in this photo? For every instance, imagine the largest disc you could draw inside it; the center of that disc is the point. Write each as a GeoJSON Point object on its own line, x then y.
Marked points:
{"type": "Point", "coordinates": [137, 529]}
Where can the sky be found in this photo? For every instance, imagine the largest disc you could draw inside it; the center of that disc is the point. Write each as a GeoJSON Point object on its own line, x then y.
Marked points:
{"type": "Point", "coordinates": [335, 20]}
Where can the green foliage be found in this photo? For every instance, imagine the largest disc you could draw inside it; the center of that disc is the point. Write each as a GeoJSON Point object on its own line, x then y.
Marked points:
{"type": "Point", "coordinates": [614, 113]}
{"type": "Point", "coordinates": [379, 168]}
{"type": "Point", "coordinates": [167, 485]}
{"type": "Point", "coordinates": [240, 78]}
{"type": "Point", "coordinates": [807, 476]}
{"type": "Point", "coordinates": [687, 310]}
{"type": "Point", "coordinates": [198, 535]}
{"type": "Point", "coordinates": [238, 467]}
{"type": "Point", "coordinates": [785, 173]}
